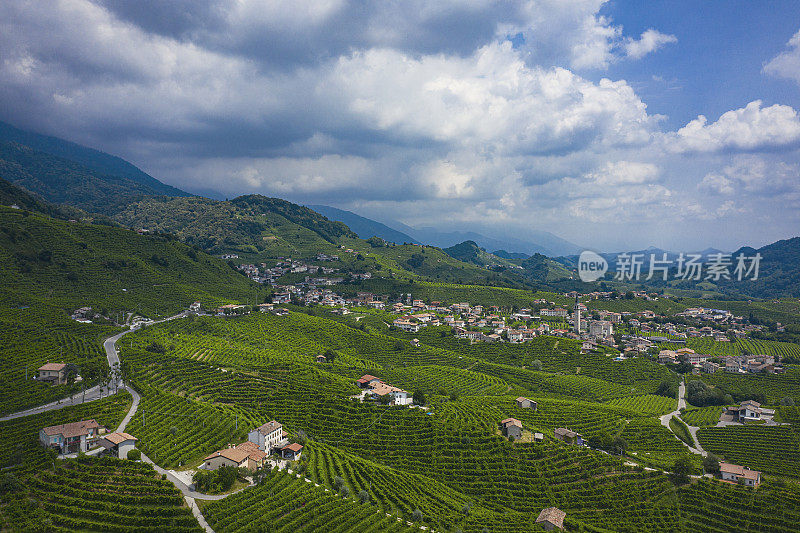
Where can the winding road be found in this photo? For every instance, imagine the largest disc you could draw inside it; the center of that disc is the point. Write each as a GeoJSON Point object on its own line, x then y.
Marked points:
{"type": "Point", "coordinates": [697, 448]}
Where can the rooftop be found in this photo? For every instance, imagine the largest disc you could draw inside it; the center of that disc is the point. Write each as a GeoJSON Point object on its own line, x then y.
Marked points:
{"type": "Point", "coordinates": [554, 515]}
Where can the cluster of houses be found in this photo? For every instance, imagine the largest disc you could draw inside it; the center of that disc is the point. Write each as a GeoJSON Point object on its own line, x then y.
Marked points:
{"type": "Point", "coordinates": [265, 274]}
{"type": "Point", "coordinates": [375, 389]}
{"type": "Point", "coordinates": [736, 364]}
{"type": "Point", "coordinates": [262, 442]}
{"type": "Point", "coordinates": [79, 437]}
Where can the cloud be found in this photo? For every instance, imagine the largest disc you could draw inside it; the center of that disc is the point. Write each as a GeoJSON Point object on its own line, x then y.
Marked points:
{"type": "Point", "coordinates": [751, 128]}
{"type": "Point", "coordinates": [787, 63]}
{"type": "Point", "coordinates": [716, 184]}
{"type": "Point", "coordinates": [650, 41]}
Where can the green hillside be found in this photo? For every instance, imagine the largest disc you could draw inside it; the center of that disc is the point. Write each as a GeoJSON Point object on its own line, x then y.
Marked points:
{"type": "Point", "coordinates": [51, 267]}
{"type": "Point", "coordinates": [63, 181]}
{"type": "Point", "coordinates": [96, 160]}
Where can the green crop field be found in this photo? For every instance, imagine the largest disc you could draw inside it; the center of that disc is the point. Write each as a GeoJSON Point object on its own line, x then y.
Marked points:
{"type": "Point", "coordinates": [715, 506]}
{"type": "Point", "coordinates": [768, 389]}
{"type": "Point", "coordinates": [702, 416]}
{"type": "Point", "coordinates": [91, 494]}
{"type": "Point", "coordinates": [19, 437]}
{"type": "Point", "coordinates": [648, 404]}
{"type": "Point", "coordinates": [771, 449]}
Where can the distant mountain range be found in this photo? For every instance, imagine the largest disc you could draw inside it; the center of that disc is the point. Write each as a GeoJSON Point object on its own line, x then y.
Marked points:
{"type": "Point", "coordinates": [541, 242]}
{"type": "Point", "coordinates": [362, 226]}
{"type": "Point", "coordinates": [108, 190]}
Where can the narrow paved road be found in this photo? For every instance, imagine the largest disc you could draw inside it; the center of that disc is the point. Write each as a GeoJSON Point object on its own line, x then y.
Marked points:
{"type": "Point", "coordinates": [692, 429]}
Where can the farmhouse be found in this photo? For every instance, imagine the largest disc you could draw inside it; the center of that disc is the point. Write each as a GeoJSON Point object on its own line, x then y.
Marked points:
{"type": "Point", "coordinates": [398, 396]}
{"type": "Point", "coordinates": [53, 373]}
{"type": "Point", "coordinates": [118, 443]}
{"type": "Point", "coordinates": [72, 437]}
{"type": "Point", "coordinates": [568, 436]}
{"type": "Point", "coordinates": [365, 380]}
{"type": "Point", "coordinates": [551, 518]}
{"type": "Point", "coordinates": [525, 403]}
{"type": "Point", "coordinates": [737, 474]}
{"type": "Point", "coordinates": [246, 455]}
{"type": "Point", "coordinates": [267, 436]}
{"type": "Point", "coordinates": [512, 428]}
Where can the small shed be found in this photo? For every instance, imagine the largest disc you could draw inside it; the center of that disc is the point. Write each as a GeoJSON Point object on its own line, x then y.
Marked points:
{"type": "Point", "coordinates": [538, 437]}
{"type": "Point", "coordinates": [292, 452]}
{"type": "Point", "coordinates": [119, 443]}
{"type": "Point", "coordinates": [568, 436]}
{"type": "Point", "coordinates": [526, 403]}
{"type": "Point", "coordinates": [551, 518]}
{"type": "Point", "coordinates": [511, 428]}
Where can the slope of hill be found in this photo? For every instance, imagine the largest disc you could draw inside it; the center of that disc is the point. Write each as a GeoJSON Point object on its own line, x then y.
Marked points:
{"type": "Point", "coordinates": [364, 227]}
{"type": "Point", "coordinates": [63, 181]}
{"type": "Point", "coordinates": [779, 271]}
{"type": "Point", "coordinates": [74, 264]}
{"type": "Point", "coordinates": [536, 267]}
{"type": "Point", "coordinates": [248, 224]}
{"type": "Point", "coordinates": [96, 160]}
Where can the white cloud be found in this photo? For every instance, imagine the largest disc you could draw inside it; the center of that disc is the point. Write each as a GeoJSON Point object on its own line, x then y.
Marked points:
{"type": "Point", "coordinates": [490, 98]}
{"type": "Point", "coordinates": [716, 184]}
{"type": "Point", "coordinates": [787, 63]}
{"type": "Point", "coordinates": [750, 128]}
{"type": "Point", "coordinates": [650, 41]}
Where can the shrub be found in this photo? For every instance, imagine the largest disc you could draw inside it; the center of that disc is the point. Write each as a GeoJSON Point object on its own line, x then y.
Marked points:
{"type": "Point", "coordinates": [134, 455]}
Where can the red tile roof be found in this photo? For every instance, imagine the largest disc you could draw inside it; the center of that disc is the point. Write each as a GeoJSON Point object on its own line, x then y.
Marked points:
{"type": "Point", "coordinates": [73, 429]}
{"type": "Point", "coordinates": [54, 367]}
{"type": "Point", "coordinates": [118, 438]}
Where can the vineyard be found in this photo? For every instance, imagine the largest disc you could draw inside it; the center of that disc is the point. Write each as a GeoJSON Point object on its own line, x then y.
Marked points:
{"type": "Point", "coordinates": [38, 334]}
{"type": "Point", "coordinates": [702, 416]}
{"type": "Point", "coordinates": [768, 389]}
{"type": "Point", "coordinates": [771, 449]}
{"type": "Point", "coordinates": [648, 404]}
{"type": "Point", "coordinates": [97, 495]}
{"type": "Point", "coordinates": [19, 437]}
{"type": "Point", "coordinates": [284, 503]}
{"type": "Point", "coordinates": [714, 507]}
{"type": "Point", "coordinates": [709, 346]}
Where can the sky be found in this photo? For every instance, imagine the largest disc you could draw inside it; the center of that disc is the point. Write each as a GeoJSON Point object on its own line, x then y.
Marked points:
{"type": "Point", "coordinates": [614, 124]}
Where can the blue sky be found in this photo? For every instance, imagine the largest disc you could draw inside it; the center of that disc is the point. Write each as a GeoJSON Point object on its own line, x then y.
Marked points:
{"type": "Point", "coordinates": [615, 124]}
{"type": "Point", "coordinates": [717, 61]}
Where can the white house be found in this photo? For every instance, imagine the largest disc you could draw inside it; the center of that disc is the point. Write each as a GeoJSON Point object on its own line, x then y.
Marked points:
{"type": "Point", "coordinates": [601, 328]}
{"type": "Point", "coordinates": [734, 473]}
{"type": "Point", "coordinates": [267, 437]}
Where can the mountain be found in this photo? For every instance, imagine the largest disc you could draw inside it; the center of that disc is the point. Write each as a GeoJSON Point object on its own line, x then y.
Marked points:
{"type": "Point", "coordinates": [510, 255]}
{"type": "Point", "coordinates": [778, 273]}
{"type": "Point", "coordinates": [62, 181]}
{"type": "Point", "coordinates": [100, 162]}
{"type": "Point", "coordinates": [247, 224]}
{"type": "Point", "coordinates": [539, 241]}
{"type": "Point", "coordinates": [69, 265]}
{"type": "Point", "coordinates": [364, 227]}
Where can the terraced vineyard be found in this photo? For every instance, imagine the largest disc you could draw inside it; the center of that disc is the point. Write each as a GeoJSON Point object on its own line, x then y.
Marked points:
{"type": "Point", "coordinates": [648, 404]}
{"type": "Point", "coordinates": [715, 506]}
{"type": "Point", "coordinates": [702, 416]}
{"type": "Point", "coordinates": [19, 437]}
{"type": "Point", "coordinates": [284, 503]}
{"type": "Point", "coordinates": [97, 495]}
{"type": "Point", "coordinates": [37, 334]}
{"type": "Point", "coordinates": [771, 449]}
{"type": "Point", "coordinates": [655, 444]}
{"type": "Point", "coordinates": [738, 347]}
{"type": "Point", "coordinates": [769, 389]}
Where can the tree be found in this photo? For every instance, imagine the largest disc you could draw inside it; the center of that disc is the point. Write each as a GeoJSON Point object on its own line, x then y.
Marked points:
{"type": "Point", "coordinates": [711, 463]}
{"type": "Point", "coordinates": [536, 365]}
{"type": "Point", "coordinates": [681, 470]}
{"type": "Point", "coordinates": [788, 400]}
{"type": "Point", "coordinates": [416, 515]}
{"type": "Point", "coordinates": [134, 455]}
{"type": "Point", "coordinates": [619, 445]}
{"type": "Point", "coordinates": [419, 397]}
{"type": "Point", "coordinates": [363, 496]}
{"type": "Point", "coordinates": [330, 355]}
